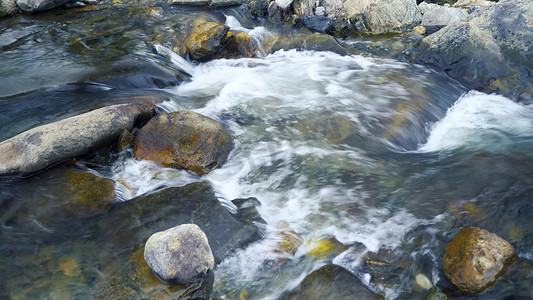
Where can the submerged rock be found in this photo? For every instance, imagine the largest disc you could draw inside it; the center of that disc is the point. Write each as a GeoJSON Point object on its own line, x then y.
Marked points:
{"type": "Point", "coordinates": [180, 254]}
{"type": "Point", "coordinates": [90, 194]}
{"type": "Point", "coordinates": [205, 39]}
{"type": "Point", "coordinates": [183, 140]}
{"type": "Point", "coordinates": [134, 221]}
{"type": "Point", "coordinates": [490, 50]}
{"type": "Point", "coordinates": [331, 282]}
{"type": "Point", "coordinates": [43, 146]}
{"type": "Point", "coordinates": [302, 41]}
{"type": "Point", "coordinates": [475, 258]}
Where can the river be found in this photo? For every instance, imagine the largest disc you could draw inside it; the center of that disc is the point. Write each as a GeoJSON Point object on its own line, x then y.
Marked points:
{"type": "Point", "coordinates": [385, 157]}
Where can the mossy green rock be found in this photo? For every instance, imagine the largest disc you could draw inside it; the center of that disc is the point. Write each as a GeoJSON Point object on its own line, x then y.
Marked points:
{"type": "Point", "coordinates": [205, 39]}
{"type": "Point", "coordinates": [475, 258]}
{"type": "Point", "coordinates": [183, 140]}
{"type": "Point", "coordinates": [331, 282]}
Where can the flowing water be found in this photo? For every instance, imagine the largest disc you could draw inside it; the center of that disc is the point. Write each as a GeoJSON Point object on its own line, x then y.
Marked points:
{"type": "Point", "coordinates": [385, 158]}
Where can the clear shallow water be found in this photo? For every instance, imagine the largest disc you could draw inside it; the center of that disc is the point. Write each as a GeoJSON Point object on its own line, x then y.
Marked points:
{"type": "Point", "coordinates": [387, 158]}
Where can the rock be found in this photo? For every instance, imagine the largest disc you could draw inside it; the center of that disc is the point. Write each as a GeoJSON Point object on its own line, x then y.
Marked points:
{"type": "Point", "coordinates": [39, 5]}
{"type": "Point", "coordinates": [435, 294]}
{"type": "Point", "coordinates": [472, 3]}
{"type": "Point", "coordinates": [131, 223]}
{"type": "Point", "coordinates": [239, 44]}
{"type": "Point", "coordinates": [125, 140]}
{"type": "Point", "coordinates": [423, 282]}
{"type": "Point", "coordinates": [190, 2]}
{"type": "Point", "coordinates": [420, 29]}
{"type": "Point", "coordinates": [474, 259]}
{"type": "Point", "coordinates": [331, 282]}
{"type": "Point", "coordinates": [180, 254]}
{"type": "Point", "coordinates": [8, 8]}
{"type": "Point", "coordinates": [334, 129]}
{"type": "Point", "coordinates": [302, 41]}
{"type": "Point", "coordinates": [318, 23]}
{"type": "Point", "coordinates": [43, 146]}
{"type": "Point", "coordinates": [324, 248]}
{"type": "Point", "coordinates": [258, 8]}
{"type": "Point", "coordinates": [91, 194]}
{"type": "Point", "coordinates": [303, 8]}
{"type": "Point", "coordinates": [224, 3]}
{"type": "Point", "coordinates": [205, 39]}
{"type": "Point", "coordinates": [183, 140]}
{"type": "Point", "coordinates": [441, 16]}
{"type": "Point", "coordinates": [382, 16]}
{"type": "Point", "coordinates": [490, 50]}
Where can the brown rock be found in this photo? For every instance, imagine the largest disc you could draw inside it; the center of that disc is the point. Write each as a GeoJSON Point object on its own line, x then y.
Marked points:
{"type": "Point", "coordinates": [475, 258]}
{"type": "Point", "coordinates": [183, 140]}
{"type": "Point", "coordinates": [205, 39]}
{"type": "Point", "coordinates": [239, 44]}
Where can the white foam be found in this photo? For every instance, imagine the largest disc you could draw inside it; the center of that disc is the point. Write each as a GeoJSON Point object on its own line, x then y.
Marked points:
{"type": "Point", "coordinates": [478, 121]}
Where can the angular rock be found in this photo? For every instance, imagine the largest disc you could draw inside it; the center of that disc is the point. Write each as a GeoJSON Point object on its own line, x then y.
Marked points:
{"type": "Point", "coordinates": [303, 8]}
{"type": "Point", "coordinates": [8, 8]}
{"type": "Point", "coordinates": [190, 2]}
{"type": "Point", "coordinates": [39, 5]}
{"type": "Point", "coordinates": [183, 140]}
{"type": "Point", "coordinates": [43, 146]}
{"type": "Point", "coordinates": [134, 221]}
{"type": "Point", "coordinates": [475, 258]}
{"type": "Point", "coordinates": [490, 50]}
{"type": "Point", "coordinates": [441, 16]}
{"type": "Point", "coordinates": [180, 254]}
{"type": "Point", "coordinates": [382, 16]}
{"type": "Point", "coordinates": [318, 23]}
{"type": "Point", "coordinates": [331, 282]}
{"type": "Point", "coordinates": [472, 3]}
{"type": "Point", "coordinates": [224, 3]}
{"type": "Point", "coordinates": [205, 39]}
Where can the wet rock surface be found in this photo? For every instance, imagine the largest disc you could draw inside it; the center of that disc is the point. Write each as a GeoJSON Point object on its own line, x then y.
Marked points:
{"type": "Point", "coordinates": [331, 282]}
{"type": "Point", "coordinates": [46, 145]}
{"type": "Point", "coordinates": [183, 140]}
{"type": "Point", "coordinates": [196, 203]}
{"type": "Point", "coordinates": [205, 39]}
{"type": "Point", "coordinates": [8, 8]}
{"type": "Point", "coordinates": [490, 50]}
{"type": "Point", "coordinates": [475, 258]}
{"type": "Point", "coordinates": [39, 5]}
{"type": "Point", "coordinates": [179, 254]}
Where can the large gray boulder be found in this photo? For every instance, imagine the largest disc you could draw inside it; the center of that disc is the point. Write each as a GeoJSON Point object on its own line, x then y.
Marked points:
{"type": "Point", "coordinates": [490, 50]}
{"type": "Point", "coordinates": [39, 5]}
{"type": "Point", "coordinates": [441, 16]}
{"type": "Point", "coordinates": [382, 16]}
{"type": "Point", "coordinates": [7, 8]}
{"type": "Point", "coordinates": [43, 146]}
{"type": "Point", "coordinates": [180, 254]}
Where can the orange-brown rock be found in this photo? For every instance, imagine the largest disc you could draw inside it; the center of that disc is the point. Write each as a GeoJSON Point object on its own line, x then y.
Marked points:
{"type": "Point", "coordinates": [183, 140]}
{"type": "Point", "coordinates": [238, 44]}
{"type": "Point", "coordinates": [475, 258]}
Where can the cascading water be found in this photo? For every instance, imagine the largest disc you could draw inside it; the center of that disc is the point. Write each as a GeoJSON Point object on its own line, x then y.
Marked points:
{"type": "Point", "coordinates": [384, 157]}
